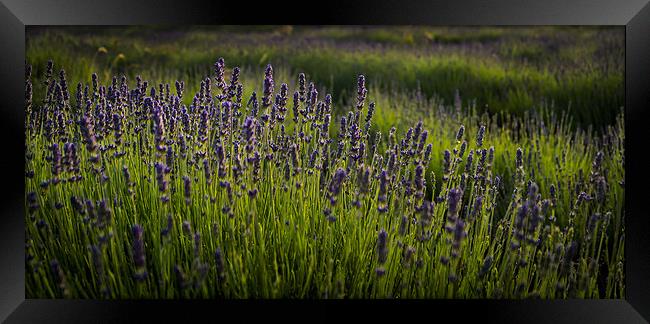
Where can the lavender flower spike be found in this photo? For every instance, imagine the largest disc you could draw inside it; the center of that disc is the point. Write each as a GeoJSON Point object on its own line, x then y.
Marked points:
{"type": "Point", "coordinates": [453, 200]}
{"type": "Point", "coordinates": [335, 185]}
{"type": "Point", "coordinates": [138, 252]}
{"type": "Point", "coordinates": [382, 249]}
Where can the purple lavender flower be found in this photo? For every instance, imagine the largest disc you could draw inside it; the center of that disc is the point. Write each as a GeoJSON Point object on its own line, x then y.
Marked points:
{"type": "Point", "coordinates": [98, 263]}
{"type": "Point", "coordinates": [226, 118]}
{"type": "Point", "coordinates": [159, 128]}
{"type": "Point", "coordinates": [219, 71]}
{"type": "Point", "coordinates": [56, 160]}
{"type": "Point", "coordinates": [478, 203]}
{"type": "Point", "coordinates": [32, 202]}
{"type": "Point", "coordinates": [127, 175]}
{"type": "Point", "coordinates": [343, 128]}
{"type": "Point", "coordinates": [382, 248]}
{"type": "Point", "coordinates": [138, 247]}
{"type": "Point", "coordinates": [59, 278]}
{"type": "Point", "coordinates": [479, 136]}
{"type": "Point", "coordinates": [234, 80]}
{"type": "Point", "coordinates": [188, 189]}
{"type": "Point", "coordinates": [407, 140]}
{"type": "Point", "coordinates": [206, 170]}
{"type": "Point", "coordinates": [301, 87]}
{"type": "Point", "coordinates": [408, 256]}
{"type": "Point", "coordinates": [532, 191]}
{"type": "Point", "coordinates": [312, 101]}
{"type": "Point", "coordinates": [487, 263]}
{"type": "Point", "coordinates": [29, 113]}
{"type": "Point", "coordinates": [64, 85]}
{"type": "Point", "coordinates": [519, 158]}
{"type": "Point", "coordinates": [287, 171]}
{"type": "Point", "coordinates": [283, 97]}
{"type": "Point", "coordinates": [592, 221]}
{"type": "Point", "coordinates": [117, 128]}
{"type": "Point", "coordinates": [361, 91]}
{"type": "Point", "coordinates": [335, 185]}
{"type": "Point", "coordinates": [383, 186]}
{"type": "Point", "coordinates": [204, 127]}
{"type": "Point", "coordinates": [459, 233]}
{"type": "Point", "coordinates": [221, 271]}
{"type": "Point", "coordinates": [463, 147]}
{"type": "Point", "coordinates": [447, 162]}
{"type": "Point", "coordinates": [490, 155]}
{"type": "Point", "coordinates": [226, 184]}
{"type": "Point", "coordinates": [459, 135]}
{"type": "Point", "coordinates": [255, 160]}
{"type": "Point", "coordinates": [180, 277]}
{"type": "Point", "coordinates": [601, 189]}
{"type": "Point", "coordinates": [180, 86]}
{"type": "Point", "coordinates": [363, 180]}
{"type": "Point", "coordinates": [197, 244]}
{"type": "Point", "coordinates": [48, 71]}
{"type": "Point", "coordinates": [423, 139]}
{"type": "Point", "coordinates": [169, 159]}
{"type": "Point", "coordinates": [427, 153]}
{"type": "Point", "coordinates": [583, 196]}
{"type": "Point", "coordinates": [598, 160]}
{"type": "Point", "coordinates": [417, 131]}
{"type": "Point", "coordinates": [419, 180]}
{"type": "Point", "coordinates": [326, 125]}
{"type": "Point", "coordinates": [268, 86]}
{"type": "Point", "coordinates": [426, 213]}
{"type": "Point", "coordinates": [160, 177]}
{"type": "Point", "coordinates": [453, 201]}
{"type": "Point", "coordinates": [327, 104]}
{"type": "Point", "coordinates": [296, 106]}
{"type": "Point", "coordinates": [294, 152]}
{"type": "Point", "coordinates": [253, 103]}
{"type": "Point", "coordinates": [89, 134]}
{"type": "Point", "coordinates": [371, 111]}
{"type": "Point", "coordinates": [469, 163]}
{"type": "Point", "coordinates": [248, 131]}
{"type": "Point", "coordinates": [238, 97]}
{"type": "Point", "coordinates": [76, 205]}
{"type": "Point", "coordinates": [104, 215]}
{"type": "Point", "coordinates": [312, 159]}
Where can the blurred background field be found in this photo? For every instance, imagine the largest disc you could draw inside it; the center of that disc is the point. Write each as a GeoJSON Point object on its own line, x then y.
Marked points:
{"type": "Point", "coordinates": [576, 70]}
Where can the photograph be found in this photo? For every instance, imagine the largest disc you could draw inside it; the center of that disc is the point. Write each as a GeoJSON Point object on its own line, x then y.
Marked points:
{"type": "Point", "coordinates": [324, 162]}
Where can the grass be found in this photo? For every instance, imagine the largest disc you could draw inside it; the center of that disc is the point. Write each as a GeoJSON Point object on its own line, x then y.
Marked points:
{"type": "Point", "coordinates": [504, 69]}
{"type": "Point", "coordinates": [296, 227]}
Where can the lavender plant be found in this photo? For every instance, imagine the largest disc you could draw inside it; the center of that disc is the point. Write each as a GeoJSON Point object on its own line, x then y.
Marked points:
{"type": "Point", "coordinates": [131, 193]}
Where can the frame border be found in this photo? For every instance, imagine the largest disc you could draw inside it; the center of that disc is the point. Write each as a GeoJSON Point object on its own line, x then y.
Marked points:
{"type": "Point", "coordinates": [633, 14]}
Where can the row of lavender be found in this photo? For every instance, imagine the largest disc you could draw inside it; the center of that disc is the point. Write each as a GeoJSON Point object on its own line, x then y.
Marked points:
{"type": "Point", "coordinates": [131, 193]}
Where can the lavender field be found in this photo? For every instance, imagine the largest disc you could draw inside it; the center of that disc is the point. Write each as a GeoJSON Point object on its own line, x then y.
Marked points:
{"type": "Point", "coordinates": [333, 162]}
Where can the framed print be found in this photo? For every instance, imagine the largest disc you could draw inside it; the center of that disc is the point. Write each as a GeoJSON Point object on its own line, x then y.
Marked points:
{"type": "Point", "coordinates": [174, 159]}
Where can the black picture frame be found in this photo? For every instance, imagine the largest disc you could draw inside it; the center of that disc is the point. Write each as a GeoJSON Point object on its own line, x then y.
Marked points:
{"type": "Point", "coordinates": [634, 15]}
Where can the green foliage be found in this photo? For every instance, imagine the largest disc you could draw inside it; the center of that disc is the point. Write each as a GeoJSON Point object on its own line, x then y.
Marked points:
{"type": "Point", "coordinates": [298, 237]}
{"type": "Point", "coordinates": [504, 69]}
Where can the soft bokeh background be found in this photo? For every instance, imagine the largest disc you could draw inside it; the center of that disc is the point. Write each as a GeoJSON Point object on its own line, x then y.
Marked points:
{"type": "Point", "coordinates": [574, 69]}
